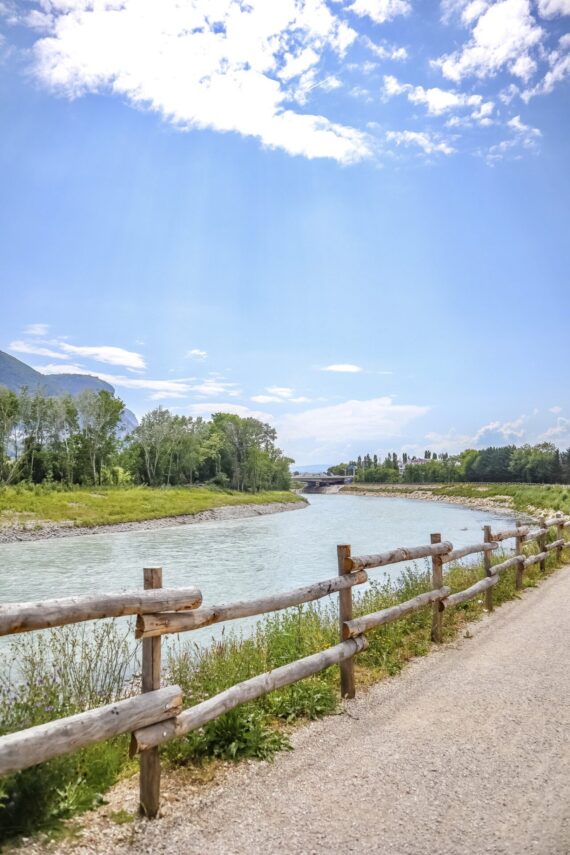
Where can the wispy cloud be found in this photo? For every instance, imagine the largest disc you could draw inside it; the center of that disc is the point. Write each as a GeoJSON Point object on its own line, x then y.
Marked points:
{"type": "Point", "coordinates": [196, 353]}
{"type": "Point", "coordinates": [106, 354]}
{"type": "Point", "coordinates": [332, 430]}
{"type": "Point", "coordinates": [36, 329]}
{"type": "Point", "coordinates": [35, 349]}
{"type": "Point", "coordinates": [427, 142]}
{"type": "Point", "coordinates": [343, 368]}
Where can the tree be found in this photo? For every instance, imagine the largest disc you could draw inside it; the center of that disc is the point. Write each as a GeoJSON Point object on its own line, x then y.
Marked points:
{"type": "Point", "coordinates": [99, 414]}
{"type": "Point", "coordinates": [9, 414]}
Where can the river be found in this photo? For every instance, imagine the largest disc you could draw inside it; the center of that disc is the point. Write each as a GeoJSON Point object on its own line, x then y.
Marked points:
{"type": "Point", "coordinates": [236, 559]}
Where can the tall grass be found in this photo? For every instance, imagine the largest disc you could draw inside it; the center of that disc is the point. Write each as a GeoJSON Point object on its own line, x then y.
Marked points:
{"type": "Point", "coordinates": [68, 670]}
{"type": "Point", "coordinates": [27, 505]}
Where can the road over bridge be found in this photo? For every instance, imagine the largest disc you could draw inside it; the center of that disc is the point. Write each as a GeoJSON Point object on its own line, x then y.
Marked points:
{"type": "Point", "coordinates": [314, 482]}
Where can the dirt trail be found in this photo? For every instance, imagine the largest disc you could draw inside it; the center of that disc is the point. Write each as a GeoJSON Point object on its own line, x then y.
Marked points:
{"type": "Point", "coordinates": [467, 751]}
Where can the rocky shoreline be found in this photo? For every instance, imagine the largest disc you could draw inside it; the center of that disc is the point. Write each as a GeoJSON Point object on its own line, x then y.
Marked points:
{"type": "Point", "coordinates": [476, 504]}
{"type": "Point", "coordinates": [50, 530]}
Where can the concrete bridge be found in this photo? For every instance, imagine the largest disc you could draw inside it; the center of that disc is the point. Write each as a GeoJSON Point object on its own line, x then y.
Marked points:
{"type": "Point", "coordinates": [314, 482]}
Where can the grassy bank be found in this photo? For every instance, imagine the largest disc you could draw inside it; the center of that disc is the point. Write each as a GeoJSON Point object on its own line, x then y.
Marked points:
{"type": "Point", "coordinates": [524, 498]}
{"type": "Point", "coordinates": [26, 506]}
{"type": "Point", "coordinates": [67, 670]}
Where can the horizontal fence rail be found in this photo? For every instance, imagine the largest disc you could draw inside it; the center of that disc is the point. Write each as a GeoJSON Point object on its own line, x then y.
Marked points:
{"type": "Point", "coordinates": [396, 556]}
{"type": "Point", "coordinates": [199, 715]}
{"type": "Point", "coordinates": [37, 744]}
{"type": "Point", "coordinates": [150, 625]}
{"type": "Point", "coordinates": [24, 617]}
{"type": "Point", "coordinates": [156, 716]}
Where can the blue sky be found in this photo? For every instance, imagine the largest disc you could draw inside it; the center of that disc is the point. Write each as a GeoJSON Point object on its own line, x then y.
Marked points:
{"type": "Point", "coordinates": [349, 219]}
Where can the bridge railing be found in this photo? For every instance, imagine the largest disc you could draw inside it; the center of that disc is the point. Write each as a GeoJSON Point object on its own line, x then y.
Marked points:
{"type": "Point", "coordinates": [156, 716]}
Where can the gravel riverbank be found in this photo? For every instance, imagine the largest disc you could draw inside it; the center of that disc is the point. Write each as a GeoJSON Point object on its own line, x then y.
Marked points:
{"type": "Point", "coordinates": [48, 530]}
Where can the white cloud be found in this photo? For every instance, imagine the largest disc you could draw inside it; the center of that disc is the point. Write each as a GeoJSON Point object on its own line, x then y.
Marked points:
{"type": "Point", "coordinates": [107, 354]}
{"type": "Point", "coordinates": [352, 421]}
{"type": "Point", "coordinates": [555, 410]}
{"type": "Point", "coordinates": [36, 349]}
{"type": "Point", "coordinates": [36, 329]}
{"type": "Point", "coordinates": [497, 432]}
{"type": "Point", "coordinates": [503, 36]}
{"type": "Point", "coordinates": [551, 8]}
{"type": "Point", "coordinates": [437, 101]}
{"type": "Point", "coordinates": [170, 386]}
{"type": "Point", "coordinates": [422, 139]}
{"type": "Point", "coordinates": [559, 70]}
{"type": "Point", "coordinates": [206, 409]}
{"type": "Point", "coordinates": [281, 391]}
{"type": "Point", "coordinates": [195, 353]}
{"type": "Point", "coordinates": [380, 11]}
{"type": "Point", "coordinates": [213, 64]}
{"type": "Point", "coordinates": [385, 51]}
{"type": "Point", "coordinates": [559, 432]}
{"type": "Point", "coordinates": [343, 368]}
{"type": "Point", "coordinates": [216, 386]}
{"type": "Point", "coordinates": [280, 395]}
{"type": "Point", "coordinates": [523, 136]}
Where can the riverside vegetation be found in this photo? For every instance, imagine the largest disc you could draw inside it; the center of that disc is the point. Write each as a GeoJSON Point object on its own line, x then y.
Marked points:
{"type": "Point", "coordinates": [70, 669]}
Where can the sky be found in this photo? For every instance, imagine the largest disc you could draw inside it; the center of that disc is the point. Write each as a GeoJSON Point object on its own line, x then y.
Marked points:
{"type": "Point", "coordinates": [346, 218]}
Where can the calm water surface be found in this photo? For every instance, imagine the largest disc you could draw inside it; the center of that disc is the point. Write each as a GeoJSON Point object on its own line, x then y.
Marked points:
{"type": "Point", "coordinates": [235, 559]}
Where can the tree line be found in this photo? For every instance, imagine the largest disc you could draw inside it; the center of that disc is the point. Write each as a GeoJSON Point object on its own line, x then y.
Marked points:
{"type": "Point", "coordinates": [543, 463]}
{"type": "Point", "coordinates": [77, 440]}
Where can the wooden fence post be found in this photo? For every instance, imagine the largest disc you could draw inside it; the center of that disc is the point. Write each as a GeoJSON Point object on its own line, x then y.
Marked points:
{"type": "Point", "coordinates": [487, 537]}
{"type": "Point", "coordinates": [520, 566]}
{"type": "Point", "coordinates": [150, 759]}
{"type": "Point", "coordinates": [436, 582]}
{"type": "Point", "coordinates": [559, 536]}
{"type": "Point", "coordinates": [347, 687]}
{"type": "Point", "coordinates": [542, 543]}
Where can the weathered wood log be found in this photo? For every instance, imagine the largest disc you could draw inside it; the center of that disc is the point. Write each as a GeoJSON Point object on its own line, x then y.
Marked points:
{"type": "Point", "coordinates": [149, 625]}
{"type": "Point", "coordinates": [402, 553]}
{"type": "Point", "coordinates": [456, 554]}
{"type": "Point", "coordinates": [487, 566]}
{"type": "Point", "coordinates": [23, 617]}
{"type": "Point", "coordinates": [437, 583]}
{"type": "Point", "coordinates": [559, 539]}
{"type": "Point", "coordinates": [469, 593]}
{"type": "Point", "coordinates": [533, 534]}
{"type": "Point", "coordinates": [149, 779]}
{"type": "Point", "coordinates": [362, 624]}
{"type": "Point", "coordinates": [504, 565]}
{"type": "Point", "coordinates": [511, 532]}
{"type": "Point", "coordinates": [535, 559]}
{"type": "Point", "coordinates": [556, 544]}
{"type": "Point", "coordinates": [541, 541]}
{"type": "Point", "coordinates": [551, 521]}
{"type": "Point", "coordinates": [347, 682]}
{"type": "Point", "coordinates": [519, 574]}
{"type": "Point", "coordinates": [249, 690]}
{"type": "Point", "coordinates": [37, 744]}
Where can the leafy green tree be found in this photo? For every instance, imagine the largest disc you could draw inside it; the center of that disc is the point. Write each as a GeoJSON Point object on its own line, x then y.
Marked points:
{"type": "Point", "coordinates": [99, 415]}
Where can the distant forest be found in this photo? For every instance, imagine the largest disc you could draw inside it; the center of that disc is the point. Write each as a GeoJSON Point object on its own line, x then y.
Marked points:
{"type": "Point", "coordinates": [532, 464]}
{"type": "Point", "coordinates": [77, 440]}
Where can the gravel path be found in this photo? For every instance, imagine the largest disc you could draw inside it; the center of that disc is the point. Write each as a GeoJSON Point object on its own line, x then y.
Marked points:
{"type": "Point", "coordinates": [467, 751]}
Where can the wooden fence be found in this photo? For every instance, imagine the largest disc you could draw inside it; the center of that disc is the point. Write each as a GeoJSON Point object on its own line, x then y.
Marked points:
{"type": "Point", "coordinates": [156, 715]}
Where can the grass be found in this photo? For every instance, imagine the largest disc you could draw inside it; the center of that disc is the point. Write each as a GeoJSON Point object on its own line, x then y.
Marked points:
{"type": "Point", "coordinates": [68, 669]}
{"type": "Point", "coordinates": [525, 498]}
{"type": "Point", "coordinates": [26, 507]}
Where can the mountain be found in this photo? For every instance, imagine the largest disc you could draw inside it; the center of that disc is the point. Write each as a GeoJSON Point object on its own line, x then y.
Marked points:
{"type": "Point", "coordinates": [15, 374]}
